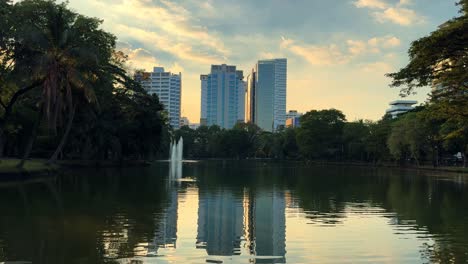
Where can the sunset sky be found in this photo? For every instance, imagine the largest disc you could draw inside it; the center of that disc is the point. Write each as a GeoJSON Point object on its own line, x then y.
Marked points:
{"type": "Point", "coordinates": [338, 50]}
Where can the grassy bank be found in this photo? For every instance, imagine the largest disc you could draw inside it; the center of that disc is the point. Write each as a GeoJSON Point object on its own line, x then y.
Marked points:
{"type": "Point", "coordinates": [9, 166]}
{"type": "Point", "coordinates": [391, 165]}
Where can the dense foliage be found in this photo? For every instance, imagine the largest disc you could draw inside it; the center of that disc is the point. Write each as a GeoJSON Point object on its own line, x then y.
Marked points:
{"type": "Point", "coordinates": [413, 138]}
{"type": "Point", "coordinates": [440, 60]}
{"type": "Point", "coordinates": [64, 89]}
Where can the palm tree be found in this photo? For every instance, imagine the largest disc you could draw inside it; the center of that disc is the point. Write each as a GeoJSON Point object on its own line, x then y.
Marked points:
{"type": "Point", "coordinates": [69, 53]}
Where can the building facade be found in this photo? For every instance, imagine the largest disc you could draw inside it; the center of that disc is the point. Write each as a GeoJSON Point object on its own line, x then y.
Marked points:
{"type": "Point", "coordinates": [204, 100]}
{"type": "Point", "coordinates": [266, 94]}
{"type": "Point", "coordinates": [222, 96]}
{"type": "Point", "coordinates": [399, 107]}
{"type": "Point", "coordinates": [293, 118]}
{"type": "Point", "coordinates": [250, 97]}
{"type": "Point", "coordinates": [168, 87]}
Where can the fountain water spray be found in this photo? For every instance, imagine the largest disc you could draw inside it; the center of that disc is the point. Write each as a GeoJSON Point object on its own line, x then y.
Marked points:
{"type": "Point", "coordinates": [176, 158]}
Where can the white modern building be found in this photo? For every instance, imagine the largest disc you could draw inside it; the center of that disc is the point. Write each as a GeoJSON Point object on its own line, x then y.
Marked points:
{"type": "Point", "coordinates": [184, 121]}
{"type": "Point", "coordinates": [266, 94]}
{"type": "Point", "coordinates": [293, 114]}
{"type": "Point", "coordinates": [168, 87]}
{"type": "Point", "coordinates": [400, 107]}
{"type": "Point", "coordinates": [222, 96]}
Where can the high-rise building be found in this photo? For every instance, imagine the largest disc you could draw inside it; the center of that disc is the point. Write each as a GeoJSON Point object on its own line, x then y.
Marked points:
{"type": "Point", "coordinates": [204, 100]}
{"type": "Point", "coordinates": [223, 95]}
{"type": "Point", "coordinates": [266, 94]}
{"type": "Point", "coordinates": [168, 87]}
{"type": "Point", "coordinates": [250, 97]}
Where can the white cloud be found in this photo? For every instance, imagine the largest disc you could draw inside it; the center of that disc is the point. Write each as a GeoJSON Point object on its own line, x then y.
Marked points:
{"type": "Point", "coordinates": [371, 4]}
{"type": "Point", "coordinates": [397, 13]}
{"type": "Point", "coordinates": [356, 47]}
{"type": "Point", "coordinates": [151, 39]}
{"type": "Point", "coordinates": [267, 55]}
{"type": "Point", "coordinates": [138, 58]}
{"type": "Point", "coordinates": [333, 54]}
{"type": "Point", "coordinates": [315, 55]}
{"type": "Point", "coordinates": [384, 42]}
{"type": "Point", "coordinates": [170, 22]}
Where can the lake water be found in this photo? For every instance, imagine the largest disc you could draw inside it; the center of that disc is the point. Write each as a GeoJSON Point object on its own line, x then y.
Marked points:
{"type": "Point", "coordinates": [235, 212]}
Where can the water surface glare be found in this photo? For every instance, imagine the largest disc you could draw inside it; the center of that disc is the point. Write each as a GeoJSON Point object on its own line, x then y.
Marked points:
{"type": "Point", "coordinates": [235, 212]}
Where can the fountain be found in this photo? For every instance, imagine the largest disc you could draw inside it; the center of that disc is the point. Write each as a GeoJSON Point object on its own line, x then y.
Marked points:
{"type": "Point", "coordinates": [176, 158]}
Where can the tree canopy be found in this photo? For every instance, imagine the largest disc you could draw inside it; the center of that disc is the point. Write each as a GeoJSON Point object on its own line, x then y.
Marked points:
{"type": "Point", "coordinates": [61, 66]}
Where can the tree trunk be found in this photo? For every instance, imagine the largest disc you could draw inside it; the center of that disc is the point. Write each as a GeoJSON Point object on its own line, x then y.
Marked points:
{"type": "Point", "coordinates": [29, 146]}
{"type": "Point", "coordinates": [53, 158]}
{"type": "Point", "coordinates": [2, 142]}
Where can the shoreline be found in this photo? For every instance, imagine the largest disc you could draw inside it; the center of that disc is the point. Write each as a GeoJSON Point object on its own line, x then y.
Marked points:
{"type": "Point", "coordinates": [8, 166]}
{"type": "Point", "coordinates": [36, 166]}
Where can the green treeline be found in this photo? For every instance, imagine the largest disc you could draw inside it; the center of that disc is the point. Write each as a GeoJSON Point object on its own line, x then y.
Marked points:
{"type": "Point", "coordinates": [415, 137]}
{"type": "Point", "coordinates": [65, 93]}
{"type": "Point", "coordinates": [64, 90]}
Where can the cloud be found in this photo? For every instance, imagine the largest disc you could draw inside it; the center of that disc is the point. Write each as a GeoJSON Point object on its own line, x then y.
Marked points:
{"type": "Point", "coordinates": [356, 47]}
{"type": "Point", "coordinates": [401, 16]}
{"type": "Point", "coordinates": [371, 4]}
{"type": "Point", "coordinates": [333, 54]}
{"type": "Point", "coordinates": [171, 23]}
{"type": "Point", "coordinates": [138, 58]}
{"type": "Point", "coordinates": [384, 42]}
{"type": "Point", "coordinates": [267, 55]}
{"type": "Point", "coordinates": [397, 14]}
{"type": "Point", "coordinates": [155, 41]}
{"type": "Point", "coordinates": [315, 55]}
{"type": "Point", "coordinates": [176, 68]}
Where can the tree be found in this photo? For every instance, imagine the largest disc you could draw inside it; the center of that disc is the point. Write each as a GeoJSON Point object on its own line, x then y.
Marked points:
{"type": "Point", "coordinates": [320, 134]}
{"type": "Point", "coordinates": [355, 135]}
{"type": "Point", "coordinates": [63, 66]}
{"type": "Point", "coordinates": [440, 60]}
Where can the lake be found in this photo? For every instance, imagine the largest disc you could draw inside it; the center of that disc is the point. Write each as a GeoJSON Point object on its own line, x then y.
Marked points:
{"type": "Point", "coordinates": [235, 212]}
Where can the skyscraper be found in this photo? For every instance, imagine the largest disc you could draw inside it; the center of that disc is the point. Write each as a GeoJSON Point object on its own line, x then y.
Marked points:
{"type": "Point", "coordinates": [250, 97]}
{"type": "Point", "coordinates": [223, 95]}
{"type": "Point", "coordinates": [204, 100]}
{"type": "Point", "coordinates": [266, 94]}
{"type": "Point", "coordinates": [168, 87]}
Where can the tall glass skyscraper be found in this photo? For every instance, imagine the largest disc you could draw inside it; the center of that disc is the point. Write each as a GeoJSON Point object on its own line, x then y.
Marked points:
{"type": "Point", "coordinates": [266, 94]}
{"type": "Point", "coordinates": [168, 87]}
{"type": "Point", "coordinates": [223, 95]}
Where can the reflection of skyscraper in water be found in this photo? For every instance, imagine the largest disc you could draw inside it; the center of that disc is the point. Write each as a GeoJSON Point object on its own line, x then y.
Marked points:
{"type": "Point", "coordinates": [265, 225]}
{"type": "Point", "coordinates": [166, 229]}
{"type": "Point", "coordinates": [220, 217]}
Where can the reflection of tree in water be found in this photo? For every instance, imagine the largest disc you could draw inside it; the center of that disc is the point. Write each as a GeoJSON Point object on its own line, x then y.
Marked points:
{"type": "Point", "coordinates": [104, 215]}
{"type": "Point", "coordinates": [439, 207]}
{"type": "Point", "coordinates": [98, 216]}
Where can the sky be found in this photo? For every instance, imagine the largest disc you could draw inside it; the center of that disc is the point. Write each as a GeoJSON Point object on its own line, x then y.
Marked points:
{"type": "Point", "coordinates": [338, 51]}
